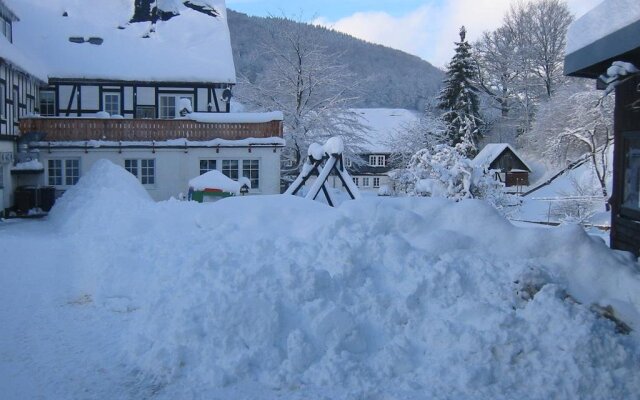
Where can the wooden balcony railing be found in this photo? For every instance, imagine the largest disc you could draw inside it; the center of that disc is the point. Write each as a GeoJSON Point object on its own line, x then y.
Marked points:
{"type": "Point", "coordinates": [82, 129]}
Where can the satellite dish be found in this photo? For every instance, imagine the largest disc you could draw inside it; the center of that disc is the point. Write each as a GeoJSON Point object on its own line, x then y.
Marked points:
{"type": "Point", "coordinates": [226, 95]}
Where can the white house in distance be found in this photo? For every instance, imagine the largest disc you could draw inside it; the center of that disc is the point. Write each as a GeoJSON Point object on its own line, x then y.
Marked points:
{"type": "Point", "coordinates": [381, 126]}
{"type": "Point", "coordinates": [100, 79]}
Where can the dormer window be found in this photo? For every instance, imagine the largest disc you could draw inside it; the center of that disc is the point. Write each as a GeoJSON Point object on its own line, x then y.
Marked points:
{"type": "Point", "coordinates": [377, 160]}
{"type": "Point", "coordinates": [5, 28]}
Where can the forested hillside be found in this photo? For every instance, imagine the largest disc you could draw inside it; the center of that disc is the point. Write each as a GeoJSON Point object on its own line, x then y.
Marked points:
{"type": "Point", "coordinates": [385, 77]}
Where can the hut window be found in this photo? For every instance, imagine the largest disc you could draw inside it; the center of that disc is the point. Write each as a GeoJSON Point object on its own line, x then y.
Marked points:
{"type": "Point", "coordinates": [365, 182]}
{"type": "Point", "coordinates": [376, 182]}
{"type": "Point", "coordinates": [631, 189]}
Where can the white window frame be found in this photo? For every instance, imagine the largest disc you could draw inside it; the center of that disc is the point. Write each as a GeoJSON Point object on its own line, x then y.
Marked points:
{"type": "Point", "coordinates": [144, 169]}
{"type": "Point", "coordinates": [356, 180]}
{"type": "Point", "coordinates": [228, 169]}
{"type": "Point", "coordinates": [43, 94]}
{"type": "Point", "coordinates": [376, 182]}
{"type": "Point", "coordinates": [248, 171]}
{"type": "Point", "coordinates": [104, 102]}
{"type": "Point", "coordinates": [206, 168]}
{"type": "Point", "coordinates": [66, 176]}
{"type": "Point", "coordinates": [3, 100]}
{"type": "Point", "coordinates": [168, 111]}
{"type": "Point", "coordinates": [377, 160]}
{"type": "Point", "coordinates": [365, 181]}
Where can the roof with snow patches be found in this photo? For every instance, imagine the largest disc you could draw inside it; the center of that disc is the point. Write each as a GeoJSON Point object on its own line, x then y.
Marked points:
{"type": "Point", "coordinates": [609, 32]}
{"type": "Point", "coordinates": [492, 151]}
{"type": "Point", "coordinates": [382, 124]}
{"type": "Point", "coordinates": [170, 41]}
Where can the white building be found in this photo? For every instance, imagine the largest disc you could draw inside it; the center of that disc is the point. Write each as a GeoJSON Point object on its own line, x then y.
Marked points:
{"type": "Point", "coordinates": [92, 80]}
{"type": "Point", "coordinates": [382, 126]}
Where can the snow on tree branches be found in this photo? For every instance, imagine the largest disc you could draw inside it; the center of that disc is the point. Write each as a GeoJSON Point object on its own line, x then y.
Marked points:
{"type": "Point", "coordinates": [459, 99]}
{"type": "Point", "coordinates": [444, 171]}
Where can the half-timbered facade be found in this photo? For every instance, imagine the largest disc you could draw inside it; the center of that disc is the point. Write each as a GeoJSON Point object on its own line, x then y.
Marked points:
{"type": "Point", "coordinates": [20, 79]}
{"type": "Point", "coordinates": [87, 80]}
{"type": "Point", "coordinates": [596, 41]}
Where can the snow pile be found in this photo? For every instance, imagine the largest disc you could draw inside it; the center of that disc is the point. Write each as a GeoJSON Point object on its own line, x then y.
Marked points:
{"type": "Point", "coordinates": [106, 193]}
{"type": "Point", "coordinates": [277, 297]}
{"type": "Point", "coordinates": [217, 180]}
{"type": "Point", "coordinates": [31, 165]}
{"type": "Point", "coordinates": [386, 306]}
{"type": "Point", "coordinates": [280, 297]}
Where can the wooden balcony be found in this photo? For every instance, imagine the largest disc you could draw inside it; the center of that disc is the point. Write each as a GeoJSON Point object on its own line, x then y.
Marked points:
{"type": "Point", "coordinates": [83, 129]}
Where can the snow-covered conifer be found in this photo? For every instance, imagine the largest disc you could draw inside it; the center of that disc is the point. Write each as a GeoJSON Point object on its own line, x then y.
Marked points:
{"type": "Point", "coordinates": [459, 99]}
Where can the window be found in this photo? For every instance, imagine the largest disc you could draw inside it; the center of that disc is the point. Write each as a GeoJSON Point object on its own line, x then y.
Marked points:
{"type": "Point", "coordinates": [230, 168]}
{"type": "Point", "coordinates": [63, 172]}
{"type": "Point", "coordinates": [251, 170]}
{"type": "Point", "coordinates": [356, 181]}
{"type": "Point", "coordinates": [167, 107]}
{"type": "Point", "coordinates": [207, 165]}
{"type": "Point", "coordinates": [5, 29]}
{"type": "Point", "coordinates": [376, 182]}
{"type": "Point", "coordinates": [112, 103]}
{"type": "Point", "coordinates": [144, 170]}
{"type": "Point", "coordinates": [47, 103]}
{"type": "Point", "coordinates": [145, 112]}
{"type": "Point", "coordinates": [16, 101]}
{"type": "Point", "coordinates": [347, 163]}
{"type": "Point", "coordinates": [2, 99]}
{"type": "Point", "coordinates": [365, 182]}
{"type": "Point", "coordinates": [631, 185]}
{"type": "Point", "coordinates": [377, 160]}
{"type": "Point", "coordinates": [1, 176]}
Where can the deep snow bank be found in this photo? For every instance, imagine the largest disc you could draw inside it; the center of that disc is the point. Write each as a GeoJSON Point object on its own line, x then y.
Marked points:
{"type": "Point", "coordinates": [407, 298]}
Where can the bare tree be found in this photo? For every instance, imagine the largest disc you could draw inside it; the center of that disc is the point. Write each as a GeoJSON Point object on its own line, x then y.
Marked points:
{"type": "Point", "coordinates": [309, 85]}
{"type": "Point", "coordinates": [577, 121]}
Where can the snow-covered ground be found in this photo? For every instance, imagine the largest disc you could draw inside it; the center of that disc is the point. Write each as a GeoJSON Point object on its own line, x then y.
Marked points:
{"type": "Point", "coordinates": [549, 204]}
{"type": "Point", "coordinates": [277, 297]}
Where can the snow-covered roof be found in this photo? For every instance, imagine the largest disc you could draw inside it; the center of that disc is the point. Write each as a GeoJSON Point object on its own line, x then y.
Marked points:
{"type": "Point", "coordinates": [190, 47]}
{"type": "Point", "coordinates": [12, 55]}
{"type": "Point", "coordinates": [254, 142]}
{"type": "Point", "coordinates": [491, 152]}
{"type": "Point", "coordinates": [216, 180]}
{"type": "Point", "coordinates": [7, 13]}
{"type": "Point", "coordinates": [239, 118]}
{"type": "Point", "coordinates": [607, 17]}
{"type": "Point", "coordinates": [603, 35]}
{"type": "Point", "coordinates": [382, 124]}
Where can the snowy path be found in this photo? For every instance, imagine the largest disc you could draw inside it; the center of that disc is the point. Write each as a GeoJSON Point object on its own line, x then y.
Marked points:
{"type": "Point", "coordinates": [54, 342]}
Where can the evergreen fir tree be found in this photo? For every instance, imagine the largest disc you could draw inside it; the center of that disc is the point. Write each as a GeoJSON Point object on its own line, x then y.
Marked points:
{"type": "Point", "coordinates": [459, 100]}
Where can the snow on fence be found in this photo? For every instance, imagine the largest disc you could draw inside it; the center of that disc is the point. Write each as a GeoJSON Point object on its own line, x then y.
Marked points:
{"type": "Point", "coordinates": [78, 129]}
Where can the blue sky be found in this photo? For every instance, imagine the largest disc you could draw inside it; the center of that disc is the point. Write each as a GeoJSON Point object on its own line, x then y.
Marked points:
{"type": "Point", "coordinates": [425, 28]}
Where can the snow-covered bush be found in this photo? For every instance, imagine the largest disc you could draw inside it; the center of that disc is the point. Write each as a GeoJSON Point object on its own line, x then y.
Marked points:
{"type": "Point", "coordinates": [443, 171]}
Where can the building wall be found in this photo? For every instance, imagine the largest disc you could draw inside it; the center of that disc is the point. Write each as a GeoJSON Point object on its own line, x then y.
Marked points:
{"type": "Point", "coordinates": [19, 94]}
{"type": "Point", "coordinates": [6, 182]}
{"type": "Point", "coordinates": [173, 167]}
{"type": "Point", "coordinates": [74, 99]}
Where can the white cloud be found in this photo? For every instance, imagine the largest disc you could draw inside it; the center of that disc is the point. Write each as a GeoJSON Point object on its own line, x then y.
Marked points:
{"type": "Point", "coordinates": [430, 30]}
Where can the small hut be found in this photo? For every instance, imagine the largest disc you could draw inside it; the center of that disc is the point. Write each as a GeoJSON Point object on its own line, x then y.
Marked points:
{"type": "Point", "coordinates": [510, 168]}
{"type": "Point", "coordinates": [213, 186]}
{"type": "Point", "coordinates": [604, 45]}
